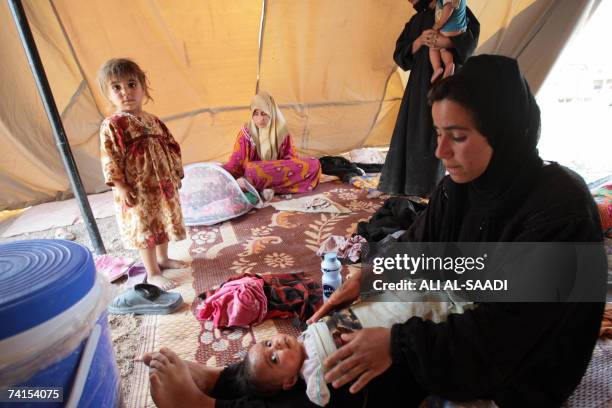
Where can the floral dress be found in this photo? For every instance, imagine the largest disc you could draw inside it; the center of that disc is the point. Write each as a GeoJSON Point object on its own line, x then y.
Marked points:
{"type": "Point", "coordinates": [288, 174]}
{"type": "Point", "coordinates": [140, 151]}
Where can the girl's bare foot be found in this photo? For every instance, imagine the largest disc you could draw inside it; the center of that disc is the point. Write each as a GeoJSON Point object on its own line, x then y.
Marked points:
{"type": "Point", "coordinates": [172, 384]}
{"type": "Point", "coordinates": [172, 264]}
{"type": "Point", "coordinates": [161, 281]}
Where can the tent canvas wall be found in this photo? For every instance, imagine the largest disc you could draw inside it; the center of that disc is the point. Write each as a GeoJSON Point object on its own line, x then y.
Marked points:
{"type": "Point", "coordinates": [327, 62]}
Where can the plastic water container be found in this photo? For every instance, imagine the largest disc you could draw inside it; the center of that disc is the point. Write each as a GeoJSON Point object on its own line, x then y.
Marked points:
{"type": "Point", "coordinates": [332, 278]}
{"type": "Point", "coordinates": [54, 332]}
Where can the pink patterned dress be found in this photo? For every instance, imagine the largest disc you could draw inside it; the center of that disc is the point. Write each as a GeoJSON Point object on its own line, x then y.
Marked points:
{"type": "Point", "coordinates": [288, 174]}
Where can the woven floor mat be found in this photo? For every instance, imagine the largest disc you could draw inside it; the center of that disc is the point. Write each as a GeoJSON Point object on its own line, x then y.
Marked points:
{"type": "Point", "coordinates": [177, 331]}
{"type": "Point", "coordinates": [270, 241]}
{"type": "Point", "coordinates": [267, 241]}
{"type": "Point", "coordinates": [263, 241]}
{"type": "Point", "coordinates": [595, 389]}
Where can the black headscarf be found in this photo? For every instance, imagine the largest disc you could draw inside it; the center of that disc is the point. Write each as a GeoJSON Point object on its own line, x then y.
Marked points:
{"type": "Point", "coordinates": [509, 117]}
{"type": "Point", "coordinates": [421, 5]}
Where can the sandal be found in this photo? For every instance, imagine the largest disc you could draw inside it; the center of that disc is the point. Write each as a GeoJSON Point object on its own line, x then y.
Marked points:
{"type": "Point", "coordinates": [145, 299]}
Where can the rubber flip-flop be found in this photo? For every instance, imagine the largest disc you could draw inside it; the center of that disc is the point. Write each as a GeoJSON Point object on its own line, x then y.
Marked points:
{"type": "Point", "coordinates": [136, 274]}
{"type": "Point", "coordinates": [145, 298]}
{"type": "Point", "coordinates": [113, 267]}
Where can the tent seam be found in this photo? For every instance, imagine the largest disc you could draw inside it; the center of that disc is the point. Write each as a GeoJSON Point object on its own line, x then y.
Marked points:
{"type": "Point", "coordinates": [76, 60]}
{"type": "Point", "coordinates": [284, 105]}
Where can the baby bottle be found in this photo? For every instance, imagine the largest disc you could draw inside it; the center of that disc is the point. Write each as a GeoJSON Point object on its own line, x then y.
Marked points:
{"type": "Point", "coordinates": [332, 278]}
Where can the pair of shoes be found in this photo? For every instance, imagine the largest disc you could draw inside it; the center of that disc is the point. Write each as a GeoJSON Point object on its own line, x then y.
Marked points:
{"type": "Point", "coordinates": [113, 267]}
{"type": "Point", "coordinates": [63, 233]}
{"type": "Point", "coordinates": [145, 299]}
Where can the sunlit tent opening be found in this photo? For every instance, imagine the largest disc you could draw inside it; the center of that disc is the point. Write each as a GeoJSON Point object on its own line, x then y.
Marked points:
{"type": "Point", "coordinates": [576, 103]}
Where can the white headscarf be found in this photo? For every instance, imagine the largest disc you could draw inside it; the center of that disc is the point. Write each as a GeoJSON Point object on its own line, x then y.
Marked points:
{"type": "Point", "coordinates": [269, 139]}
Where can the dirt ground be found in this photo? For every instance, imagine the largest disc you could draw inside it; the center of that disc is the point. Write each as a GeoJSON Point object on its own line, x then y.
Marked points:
{"type": "Point", "coordinates": [124, 329]}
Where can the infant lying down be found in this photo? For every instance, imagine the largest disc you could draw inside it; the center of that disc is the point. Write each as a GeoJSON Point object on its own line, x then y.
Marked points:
{"type": "Point", "coordinates": [274, 365]}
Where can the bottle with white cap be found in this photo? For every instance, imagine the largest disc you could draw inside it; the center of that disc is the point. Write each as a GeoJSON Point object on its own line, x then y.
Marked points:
{"type": "Point", "coordinates": [332, 278]}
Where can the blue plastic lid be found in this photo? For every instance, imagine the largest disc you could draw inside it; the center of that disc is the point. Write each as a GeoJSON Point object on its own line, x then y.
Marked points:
{"type": "Point", "coordinates": [39, 279]}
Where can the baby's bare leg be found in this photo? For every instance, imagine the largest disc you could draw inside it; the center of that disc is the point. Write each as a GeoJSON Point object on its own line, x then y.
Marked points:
{"type": "Point", "coordinates": [434, 57]}
{"type": "Point", "coordinates": [449, 64]}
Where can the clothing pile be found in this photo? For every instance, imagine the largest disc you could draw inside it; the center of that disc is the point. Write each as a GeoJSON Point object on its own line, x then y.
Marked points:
{"type": "Point", "coordinates": [396, 214]}
{"type": "Point", "coordinates": [347, 249]}
{"type": "Point", "coordinates": [248, 299]}
{"type": "Point", "coordinates": [341, 167]}
{"type": "Point", "coordinates": [238, 302]}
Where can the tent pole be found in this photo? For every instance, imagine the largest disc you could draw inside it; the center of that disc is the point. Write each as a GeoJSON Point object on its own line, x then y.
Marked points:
{"type": "Point", "coordinates": [262, 25]}
{"type": "Point", "coordinates": [55, 121]}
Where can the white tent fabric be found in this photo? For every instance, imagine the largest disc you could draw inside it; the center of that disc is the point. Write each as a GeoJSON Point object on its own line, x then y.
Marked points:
{"type": "Point", "coordinates": [328, 63]}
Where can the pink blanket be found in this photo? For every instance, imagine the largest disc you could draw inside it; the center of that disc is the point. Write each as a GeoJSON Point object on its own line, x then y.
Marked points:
{"type": "Point", "coordinates": [240, 302]}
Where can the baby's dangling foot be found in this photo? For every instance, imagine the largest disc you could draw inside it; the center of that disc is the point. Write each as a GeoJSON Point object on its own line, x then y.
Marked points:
{"type": "Point", "coordinates": [161, 282]}
{"type": "Point", "coordinates": [436, 74]}
{"type": "Point", "coordinates": [449, 70]}
{"type": "Point", "coordinates": [173, 264]}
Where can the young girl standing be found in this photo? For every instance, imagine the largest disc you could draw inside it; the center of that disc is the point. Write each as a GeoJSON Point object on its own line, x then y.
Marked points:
{"type": "Point", "coordinates": [141, 161]}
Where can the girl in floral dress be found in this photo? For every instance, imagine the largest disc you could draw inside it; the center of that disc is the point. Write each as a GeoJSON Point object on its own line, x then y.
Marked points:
{"type": "Point", "coordinates": [141, 161]}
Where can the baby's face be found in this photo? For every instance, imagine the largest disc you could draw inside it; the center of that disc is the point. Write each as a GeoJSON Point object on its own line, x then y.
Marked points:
{"type": "Point", "coordinates": [278, 360]}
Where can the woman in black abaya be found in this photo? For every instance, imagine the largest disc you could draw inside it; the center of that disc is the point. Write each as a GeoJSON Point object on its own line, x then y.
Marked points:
{"type": "Point", "coordinates": [498, 190]}
{"type": "Point", "coordinates": [411, 167]}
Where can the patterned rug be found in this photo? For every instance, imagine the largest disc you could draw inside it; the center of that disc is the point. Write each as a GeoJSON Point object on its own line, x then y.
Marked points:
{"type": "Point", "coordinates": [269, 241]}
{"type": "Point", "coordinates": [262, 241]}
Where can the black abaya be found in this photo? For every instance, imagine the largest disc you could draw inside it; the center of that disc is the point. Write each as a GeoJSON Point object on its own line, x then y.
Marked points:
{"type": "Point", "coordinates": [411, 167]}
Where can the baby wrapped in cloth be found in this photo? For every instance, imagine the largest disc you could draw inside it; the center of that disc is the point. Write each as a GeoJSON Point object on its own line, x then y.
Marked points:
{"type": "Point", "coordinates": [270, 363]}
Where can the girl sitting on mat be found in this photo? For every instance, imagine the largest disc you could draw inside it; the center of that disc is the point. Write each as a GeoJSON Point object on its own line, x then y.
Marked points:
{"type": "Point", "coordinates": [264, 153]}
{"type": "Point", "coordinates": [141, 161]}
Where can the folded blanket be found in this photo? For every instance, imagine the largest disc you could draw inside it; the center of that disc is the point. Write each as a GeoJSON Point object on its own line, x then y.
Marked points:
{"type": "Point", "coordinates": [239, 302]}
{"type": "Point", "coordinates": [285, 295]}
